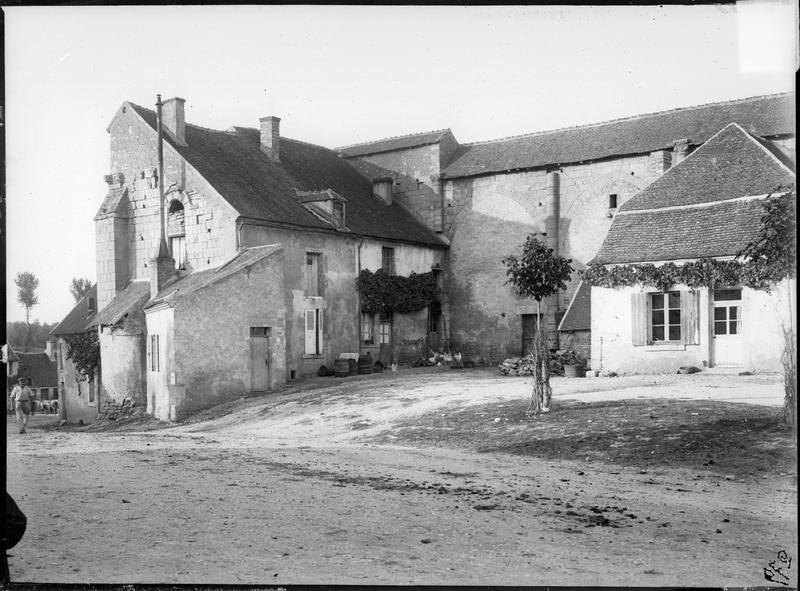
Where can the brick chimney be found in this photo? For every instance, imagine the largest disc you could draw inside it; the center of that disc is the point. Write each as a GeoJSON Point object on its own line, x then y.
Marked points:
{"type": "Point", "coordinates": [382, 189]}
{"type": "Point", "coordinates": [271, 137]}
{"type": "Point", "coordinates": [162, 269]}
{"type": "Point", "coordinates": [174, 120]}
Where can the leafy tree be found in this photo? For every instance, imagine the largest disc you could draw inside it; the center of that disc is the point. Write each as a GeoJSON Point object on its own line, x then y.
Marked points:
{"type": "Point", "coordinates": [37, 333]}
{"type": "Point", "coordinates": [537, 274]}
{"type": "Point", "coordinates": [79, 287]}
{"type": "Point", "coordinates": [27, 284]}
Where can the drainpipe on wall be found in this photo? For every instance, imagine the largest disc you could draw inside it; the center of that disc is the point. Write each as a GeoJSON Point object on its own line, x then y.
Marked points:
{"type": "Point", "coordinates": [163, 249]}
{"type": "Point", "coordinates": [551, 223]}
{"type": "Point", "coordinates": [358, 299]}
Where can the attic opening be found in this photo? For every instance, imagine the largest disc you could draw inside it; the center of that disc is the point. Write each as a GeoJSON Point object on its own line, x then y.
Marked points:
{"type": "Point", "coordinates": [176, 232]}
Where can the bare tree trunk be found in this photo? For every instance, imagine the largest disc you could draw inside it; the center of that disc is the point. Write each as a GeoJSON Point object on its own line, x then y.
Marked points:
{"type": "Point", "coordinates": [540, 396]}
{"type": "Point", "coordinates": [789, 360]}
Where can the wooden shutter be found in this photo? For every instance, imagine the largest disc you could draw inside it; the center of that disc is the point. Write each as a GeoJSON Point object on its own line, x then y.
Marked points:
{"type": "Point", "coordinates": [311, 332]}
{"type": "Point", "coordinates": [690, 317]}
{"type": "Point", "coordinates": [639, 318]}
{"type": "Point", "coordinates": [319, 332]}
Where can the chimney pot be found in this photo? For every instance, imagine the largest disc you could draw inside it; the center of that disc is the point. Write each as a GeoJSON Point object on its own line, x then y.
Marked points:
{"type": "Point", "coordinates": [271, 137]}
{"type": "Point", "coordinates": [174, 119]}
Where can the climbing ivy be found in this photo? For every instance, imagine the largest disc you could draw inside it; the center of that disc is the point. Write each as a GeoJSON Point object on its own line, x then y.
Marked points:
{"type": "Point", "coordinates": [384, 293]}
{"type": "Point", "coordinates": [763, 262]}
{"type": "Point", "coordinates": [84, 351]}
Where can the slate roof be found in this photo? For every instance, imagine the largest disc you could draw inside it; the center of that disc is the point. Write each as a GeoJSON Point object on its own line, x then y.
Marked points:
{"type": "Point", "coordinates": [201, 279]}
{"type": "Point", "coordinates": [579, 312]}
{"type": "Point", "coordinates": [135, 295]}
{"type": "Point", "coordinates": [701, 207]}
{"type": "Point", "coordinates": [402, 142]}
{"type": "Point", "coordinates": [78, 320]}
{"type": "Point", "coordinates": [765, 116]}
{"type": "Point", "coordinates": [258, 188]}
{"type": "Point", "coordinates": [43, 372]}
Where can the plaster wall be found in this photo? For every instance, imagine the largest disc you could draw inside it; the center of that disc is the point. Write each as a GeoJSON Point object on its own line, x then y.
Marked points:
{"type": "Point", "coordinates": [74, 393]}
{"type": "Point", "coordinates": [161, 401]}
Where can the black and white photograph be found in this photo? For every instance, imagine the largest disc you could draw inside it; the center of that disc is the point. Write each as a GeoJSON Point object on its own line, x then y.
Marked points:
{"type": "Point", "coordinates": [400, 295]}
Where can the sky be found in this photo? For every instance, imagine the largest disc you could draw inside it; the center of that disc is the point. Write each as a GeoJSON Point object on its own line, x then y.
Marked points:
{"type": "Point", "coordinates": [340, 75]}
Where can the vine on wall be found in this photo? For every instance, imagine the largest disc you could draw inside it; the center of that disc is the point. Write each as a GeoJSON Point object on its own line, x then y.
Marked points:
{"type": "Point", "coordinates": [384, 293]}
{"type": "Point", "coordinates": [763, 262]}
{"type": "Point", "coordinates": [84, 351]}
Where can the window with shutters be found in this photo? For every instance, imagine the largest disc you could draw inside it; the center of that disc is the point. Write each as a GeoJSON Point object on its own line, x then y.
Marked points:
{"type": "Point", "coordinates": [313, 322]}
{"type": "Point", "coordinates": [666, 317]}
{"type": "Point", "coordinates": [311, 275]}
{"type": "Point", "coordinates": [367, 332]}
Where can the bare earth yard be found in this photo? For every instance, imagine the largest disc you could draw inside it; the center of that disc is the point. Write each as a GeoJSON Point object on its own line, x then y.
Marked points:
{"type": "Point", "coordinates": [429, 476]}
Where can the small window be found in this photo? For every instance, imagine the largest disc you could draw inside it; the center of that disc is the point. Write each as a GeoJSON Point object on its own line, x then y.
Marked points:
{"type": "Point", "coordinates": [91, 400]}
{"type": "Point", "coordinates": [55, 393]}
{"type": "Point", "coordinates": [177, 246]}
{"type": "Point", "coordinates": [434, 316]}
{"type": "Point", "coordinates": [311, 275]}
{"type": "Point", "coordinates": [721, 295]}
{"type": "Point", "coordinates": [367, 335]}
{"type": "Point", "coordinates": [45, 393]}
{"type": "Point", "coordinates": [154, 353]}
{"type": "Point", "coordinates": [612, 201]}
{"type": "Point", "coordinates": [260, 331]}
{"type": "Point", "coordinates": [387, 260]}
{"type": "Point", "coordinates": [385, 328]}
{"type": "Point", "coordinates": [92, 306]}
{"type": "Point", "coordinates": [665, 316]}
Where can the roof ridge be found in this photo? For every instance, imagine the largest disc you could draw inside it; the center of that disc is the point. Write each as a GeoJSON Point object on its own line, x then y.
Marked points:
{"type": "Point", "coordinates": [395, 137]}
{"type": "Point", "coordinates": [628, 118]}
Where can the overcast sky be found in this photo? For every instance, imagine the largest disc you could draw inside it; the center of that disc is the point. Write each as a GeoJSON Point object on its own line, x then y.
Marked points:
{"type": "Point", "coordinates": [337, 76]}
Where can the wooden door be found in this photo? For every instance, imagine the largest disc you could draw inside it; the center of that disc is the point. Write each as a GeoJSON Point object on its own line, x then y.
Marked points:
{"type": "Point", "coordinates": [728, 342]}
{"type": "Point", "coordinates": [528, 332]}
{"type": "Point", "coordinates": [260, 360]}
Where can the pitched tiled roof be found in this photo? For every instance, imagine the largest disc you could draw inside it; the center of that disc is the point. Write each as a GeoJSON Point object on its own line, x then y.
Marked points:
{"type": "Point", "coordinates": [393, 143]}
{"type": "Point", "coordinates": [764, 116]}
{"type": "Point", "coordinates": [135, 295]}
{"type": "Point", "coordinates": [579, 312]}
{"type": "Point", "coordinates": [39, 368]}
{"type": "Point", "coordinates": [699, 208]}
{"type": "Point", "coordinates": [259, 188]}
{"type": "Point", "coordinates": [195, 281]}
{"type": "Point", "coordinates": [78, 320]}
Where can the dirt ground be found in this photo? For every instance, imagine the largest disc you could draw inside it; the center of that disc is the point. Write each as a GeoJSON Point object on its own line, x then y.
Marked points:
{"type": "Point", "coordinates": [428, 476]}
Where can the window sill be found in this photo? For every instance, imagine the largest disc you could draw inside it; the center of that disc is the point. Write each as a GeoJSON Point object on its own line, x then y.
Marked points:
{"type": "Point", "coordinates": [666, 346]}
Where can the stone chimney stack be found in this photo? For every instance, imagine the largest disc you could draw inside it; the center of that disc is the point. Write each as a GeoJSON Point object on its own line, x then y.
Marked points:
{"type": "Point", "coordinates": [271, 137]}
{"type": "Point", "coordinates": [680, 150]}
{"type": "Point", "coordinates": [382, 189]}
{"type": "Point", "coordinates": [174, 119]}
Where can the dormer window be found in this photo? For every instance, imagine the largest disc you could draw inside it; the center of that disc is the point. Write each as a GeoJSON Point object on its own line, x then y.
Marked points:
{"type": "Point", "coordinates": [92, 307]}
{"type": "Point", "coordinates": [327, 205]}
{"type": "Point", "coordinates": [612, 204]}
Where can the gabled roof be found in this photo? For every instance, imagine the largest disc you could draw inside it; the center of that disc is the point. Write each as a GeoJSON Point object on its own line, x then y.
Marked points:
{"type": "Point", "coordinates": [134, 296]}
{"type": "Point", "coordinates": [765, 116]}
{"type": "Point", "coordinates": [79, 319]}
{"type": "Point", "coordinates": [195, 281]}
{"type": "Point", "coordinates": [10, 354]}
{"type": "Point", "coordinates": [39, 368]}
{"type": "Point", "coordinates": [402, 142]}
{"type": "Point", "coordinates": [258, 188]}
{"type": "Point", "coordinates": [708, 205]}
{"type": "Point", "coordinates": [579, 312]}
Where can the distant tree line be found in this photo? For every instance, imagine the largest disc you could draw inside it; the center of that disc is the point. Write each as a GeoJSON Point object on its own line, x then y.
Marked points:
{"type": "Point", "coordinates": [15, 335]}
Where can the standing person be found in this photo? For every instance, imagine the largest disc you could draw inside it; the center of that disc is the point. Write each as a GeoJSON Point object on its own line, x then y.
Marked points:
{"type": "Point", "coordinates": [22, 396]}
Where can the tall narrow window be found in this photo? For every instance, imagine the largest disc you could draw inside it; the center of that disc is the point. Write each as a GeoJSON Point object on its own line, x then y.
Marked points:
{"type": "Point", "coordinates": [176, 232]}
{"type": "Point", "coordinates": [92, 400]}
{"type": "Point", "coordinates": [311, 275]}
{"type": "Point", "coordinates": [387, 260]}
{"type": "Point", "coordinates": [665, 316]}
{"type": "Point", "coordinates": [434, 316]}
{"type": "Point", "coordinates": [386, 328]}
{"type": "Point", "coordinates": [313, 321]}
{"type": "Point", "coordinates": [154, 353]}
{"type": "Point", "coordinates": [612, 201]}
{"type": "Point", "coordinates": [367, 336]}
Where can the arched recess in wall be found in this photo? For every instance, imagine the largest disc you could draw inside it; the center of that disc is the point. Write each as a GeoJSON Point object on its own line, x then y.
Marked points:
{"type": "Point", "coordinates": [176, 232]}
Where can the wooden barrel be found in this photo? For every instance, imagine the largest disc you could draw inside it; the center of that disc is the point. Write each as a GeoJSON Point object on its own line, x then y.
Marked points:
{"type": "Point", "coordinates": [574, 371]}
{"type": "Point", "coordinates": [341, 368]}
{"type": "Point", "coordinates": [353, 365]}
{"type": "Point", "coordinates": [365, 364]}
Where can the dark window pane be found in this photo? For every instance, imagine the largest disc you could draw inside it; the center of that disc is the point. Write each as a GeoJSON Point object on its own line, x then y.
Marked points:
{"type": "Point", "coordinates": [674, 299]}
{"type": "Point", "coordinates": [719, 327]}
{"type": "Point", "coordinates": [658, 317]}
{"type": "Point", "coordinates": [733, 329]}
{"type": "Point", "coordinates": [658, 333]}
{"type": "Point", "coordinates": [674, 316]}
{"type": "Point", "coordinates": [734, 312]}
{"type": "Point", "coordinates": [674, 333]}
{"type": "Point", "coordinates": [720, 314]}
{"type": "Point", "coordinates": [658, 302]}
{"type": "Point", "coordinates": [721, 295]}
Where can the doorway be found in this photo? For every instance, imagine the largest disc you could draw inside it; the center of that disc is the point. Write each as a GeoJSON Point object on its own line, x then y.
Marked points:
{"type": "Point", "coordinates": [260, 359]}
{"type": "Point", "coordinates": [528, 332]}
{"type": "Point", "coordinates": [728, 342]}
